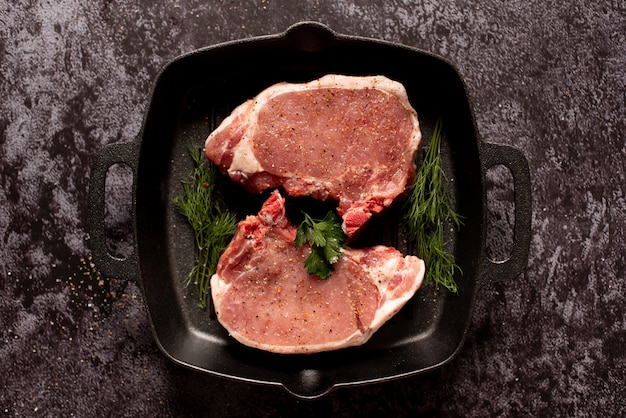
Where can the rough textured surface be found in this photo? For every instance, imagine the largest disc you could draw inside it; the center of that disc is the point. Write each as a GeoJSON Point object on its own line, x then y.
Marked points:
{"type": "Point", "coordinates": [547, 78]}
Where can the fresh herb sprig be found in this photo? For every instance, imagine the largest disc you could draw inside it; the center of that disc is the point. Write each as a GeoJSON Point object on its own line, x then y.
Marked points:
{"type": "Point", "coordinates": [326, 239]}
{"type": "Point", "coordinates": [213, 225]}
{"type": "Point", "coordinates": [428, 210]}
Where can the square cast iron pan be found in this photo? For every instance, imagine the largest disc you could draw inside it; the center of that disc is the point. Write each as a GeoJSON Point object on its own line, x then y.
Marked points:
{"type": "Point", "coordinates": [191, 95]}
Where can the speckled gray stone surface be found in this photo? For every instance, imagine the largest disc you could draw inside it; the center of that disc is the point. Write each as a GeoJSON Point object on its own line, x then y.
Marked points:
{"type": "Point", "coordinates": [547, 78]}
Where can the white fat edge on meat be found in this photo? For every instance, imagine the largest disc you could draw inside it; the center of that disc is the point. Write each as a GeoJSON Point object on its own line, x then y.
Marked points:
{"type": "Point", "coordinates": [236, 113]}
{"type": "Point", "coordinates": [219, 288]}
{"type": "Point", "coordinates": [244, 161]}
{"type": "Point", "coordinates": [387, 270]}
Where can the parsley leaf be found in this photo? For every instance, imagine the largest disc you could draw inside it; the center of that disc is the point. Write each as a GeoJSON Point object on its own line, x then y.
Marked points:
{"type": "Point", "coordinates": [316, 264]}
{"type": "Point", "coordinates": [326, 239]}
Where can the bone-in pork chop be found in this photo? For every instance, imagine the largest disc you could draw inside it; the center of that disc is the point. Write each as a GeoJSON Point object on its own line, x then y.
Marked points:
{"type": "Point", "coordinates": [265, 298]}
{"type": "Point", "coordinates": [352, 139]}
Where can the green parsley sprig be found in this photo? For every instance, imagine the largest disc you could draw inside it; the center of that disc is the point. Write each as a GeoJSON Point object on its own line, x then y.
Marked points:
{"type": "Point", "coordinates": [427, 211]}
{"type": "Point", "coordinates": [213, 225]}
{"type": "Point", "coordinates": [326, 239]}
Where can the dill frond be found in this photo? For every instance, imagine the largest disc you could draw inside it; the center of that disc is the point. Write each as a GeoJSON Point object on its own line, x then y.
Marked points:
{"type": "Point", "coordinates": [213, 225]}
{"type": "Point", "coordinates": [427, 211]}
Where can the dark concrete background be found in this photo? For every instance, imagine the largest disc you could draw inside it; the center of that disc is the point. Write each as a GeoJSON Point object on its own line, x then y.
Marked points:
{"type": "Point", "coordinates": [548, 78]}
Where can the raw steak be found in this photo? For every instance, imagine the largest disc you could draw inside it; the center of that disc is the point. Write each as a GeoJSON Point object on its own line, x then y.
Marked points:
{"type": "Point", "coordinates": [265, 299]}
{"type": "Point", "coordinates": [352, 139]}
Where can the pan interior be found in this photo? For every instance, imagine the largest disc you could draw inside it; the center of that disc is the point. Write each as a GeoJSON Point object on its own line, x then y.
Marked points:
{"type": "Point", "coordinates": [191, 96]}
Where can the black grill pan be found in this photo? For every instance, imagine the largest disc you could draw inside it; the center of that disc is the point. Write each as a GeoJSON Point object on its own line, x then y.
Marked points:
{"type": "Point", "coordinates": [191, 95]}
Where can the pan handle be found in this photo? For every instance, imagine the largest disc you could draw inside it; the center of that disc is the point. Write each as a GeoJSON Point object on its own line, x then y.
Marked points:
{"type": "Point", "coordinates": [110, 266]}
{"type": "Point", "coordinates": [514, 160]}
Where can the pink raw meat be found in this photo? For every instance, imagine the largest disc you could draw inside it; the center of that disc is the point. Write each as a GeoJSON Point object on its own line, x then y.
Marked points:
{"type": "Point", "coordinates": [265, 298]}
{"type": "Point", "coordinates": [352, 139]}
